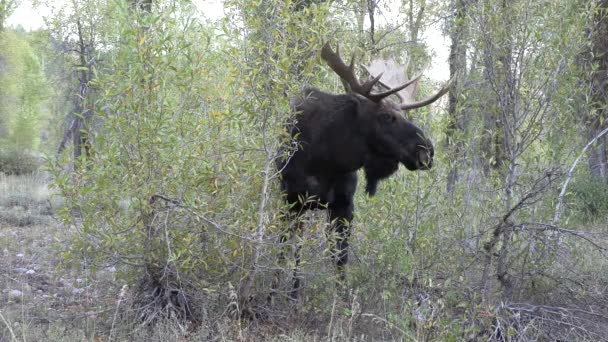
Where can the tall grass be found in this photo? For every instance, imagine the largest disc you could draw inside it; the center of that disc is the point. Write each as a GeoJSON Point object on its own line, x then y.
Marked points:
{"type": "Point", "coordinates": [34, 186]}
{"type": "Point", "coordinates": [24, 199]}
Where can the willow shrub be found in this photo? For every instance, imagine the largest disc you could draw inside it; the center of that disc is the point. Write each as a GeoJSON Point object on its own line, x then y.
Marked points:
{"type": "Point", "coordinates": [169, 159]}
{"type": "Point", "coordinates": [181, 184]}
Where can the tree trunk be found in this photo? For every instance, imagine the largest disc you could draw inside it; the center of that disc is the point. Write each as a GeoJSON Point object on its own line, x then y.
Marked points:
{"type": "Point", "coordinates": [597, 116]}
{"type": "Point", "coordinates": [499, 107]}
{"type": "Point", "coordinates": [499, 143]}
{"type": "Point", "coordinates": [415, 13]}
{"type": "Point", "coordinates": [82, 112]}
{"type": "Point", "coordinates": [457, 69]}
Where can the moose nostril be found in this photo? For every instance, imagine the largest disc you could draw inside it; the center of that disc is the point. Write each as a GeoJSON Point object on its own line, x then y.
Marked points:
{"type": "Point", "coordinates": [425, 158]}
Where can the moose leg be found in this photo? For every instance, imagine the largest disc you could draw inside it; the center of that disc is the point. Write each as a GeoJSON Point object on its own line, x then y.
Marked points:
{"type": "Point", "coordinates": [341, 215]}
{"type": "Point", "coordinates": [293, 295]}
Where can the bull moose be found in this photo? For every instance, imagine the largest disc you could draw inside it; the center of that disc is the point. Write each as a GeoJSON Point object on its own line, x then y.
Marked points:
{"type": "Point", "coordinates": [336, 135]}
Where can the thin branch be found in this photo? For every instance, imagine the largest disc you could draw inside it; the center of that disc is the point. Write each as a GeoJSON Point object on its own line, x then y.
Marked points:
{"type": "Point", "coordinates": [582, 235]}
{"type": "Point", "coordinates": [218, 226]}
{"type": "Point", "coordinates": [539, 187]}
{"type": "Point", "coordinates": [556, 310]}
{"type": "Point", "coordinates": [560, 199]}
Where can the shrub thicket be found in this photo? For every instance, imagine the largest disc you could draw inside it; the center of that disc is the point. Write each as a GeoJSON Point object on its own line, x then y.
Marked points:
{"type": "Point", "coordinates": [589, 196]}
{"type": "Point", "coordinates": [17, 162]}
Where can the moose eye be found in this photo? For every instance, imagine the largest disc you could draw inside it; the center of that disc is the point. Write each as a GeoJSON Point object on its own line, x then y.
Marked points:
{"type": "Point", "coordinates": [386, 117]}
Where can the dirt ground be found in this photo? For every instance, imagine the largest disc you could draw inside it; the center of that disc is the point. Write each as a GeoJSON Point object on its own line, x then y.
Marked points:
{"type": "Point", "coordinates": [41, 297]}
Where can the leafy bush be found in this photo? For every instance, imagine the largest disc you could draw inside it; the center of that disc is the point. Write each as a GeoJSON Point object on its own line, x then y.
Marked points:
{"type": "Point", "coordinates": [589, 196]}
{"type": "Point", "coordinates": [17, 162]}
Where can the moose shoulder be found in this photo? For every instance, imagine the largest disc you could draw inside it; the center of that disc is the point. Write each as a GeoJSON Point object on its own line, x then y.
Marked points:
{"type": "Point", "coordinates": [333, 136]}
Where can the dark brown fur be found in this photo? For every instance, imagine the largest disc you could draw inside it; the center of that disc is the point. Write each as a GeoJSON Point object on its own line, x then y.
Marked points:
{"type": "Point", "coordinates": [336, 135]}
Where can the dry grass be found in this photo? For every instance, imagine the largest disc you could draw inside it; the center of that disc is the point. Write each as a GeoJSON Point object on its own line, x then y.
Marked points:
{"type": "Point", "coordinates": [25, 200]}
{"type": "Point", "coordinates": [39, 300]}
{"type": "Point", "coordinates": [43, 300]}
{"type": "Point", "coordinates": [31, 187]}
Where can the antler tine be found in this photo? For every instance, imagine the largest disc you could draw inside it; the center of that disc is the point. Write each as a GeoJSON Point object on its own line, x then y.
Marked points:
{"type": "Point", "coordinates": [401, 99]}
{"type": "Point", "coordinates": [346, 73]}
{"type": "Point", "coordinates": [351, 66]}
{"type": "Point", "coordinates": [391, 91]}
{"type": "Point", "coordinates": [366, 88]}
{"type": "Point", "coordinates": [429, 99]}
{"type": "Point", "coordinates": [352, 84]}
{"type": "Point", "coordinates": [335, 62]}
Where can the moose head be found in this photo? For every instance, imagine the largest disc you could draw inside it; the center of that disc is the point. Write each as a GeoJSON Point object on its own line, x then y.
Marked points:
{"type": "Point", "coordinates": [392, 139]}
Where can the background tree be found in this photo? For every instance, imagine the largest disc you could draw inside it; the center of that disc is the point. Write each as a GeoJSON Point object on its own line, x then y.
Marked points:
{"type": "Point", "coordinates": [598, 90]}
{"type": "Point", "coordinates": [22, 103]}
{"type": "Point", "coordinates": [79, 27]}
{"type": "Point", "coordinates": [6, 9]}
{"type": "Point", "coordinates": [22, 93]}
{"type": "Point", "coordinates": [458, 65]}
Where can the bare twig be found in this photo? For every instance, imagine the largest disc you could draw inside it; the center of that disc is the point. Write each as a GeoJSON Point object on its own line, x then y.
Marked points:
{"type": "Point", "coordinates": [173, 203]}
{"type": "Point", "coordinates": [586, 236]}
{"type": "Point", "coordinates": [331, 320]}
{"type": "Point", "coordinates": [552, 309]}
{"type": "Point", "coordinates": [8, 326]}
{"type": "Point", "coordinates": [505, 227]}
{"type": "Point", "coordinates": [571, 318]}
{"type": "Point", "coordinates": [377, 319]}
{"type": "Point", "coordinates": [412, 238]}
{"type": "Point", "coordinates": [121, 298]}
{"type": "Point", "coordinates": [539, 187]}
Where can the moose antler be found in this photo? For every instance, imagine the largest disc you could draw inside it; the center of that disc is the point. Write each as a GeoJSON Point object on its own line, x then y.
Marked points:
{"type": "Point", "coordinates": [406, 100]}
{"type": "Point", "coordinates": [391, 73]}
{"type": "Point", "coordinates": [347, 74]}
{"type": "Point", "coordinates": [427, 101]}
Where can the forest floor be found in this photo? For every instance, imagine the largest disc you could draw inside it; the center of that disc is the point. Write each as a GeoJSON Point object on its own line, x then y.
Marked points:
{"type": "Point", "coordinates": [44, 298]}
{"type": "Point", "coordinates": [41, 297]}
{"type": "Point", "coordinates": [40, 300]}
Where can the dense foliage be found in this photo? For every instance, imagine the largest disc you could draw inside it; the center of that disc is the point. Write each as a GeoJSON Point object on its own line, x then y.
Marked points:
{"type": "Point", "coordinates": [175, 122]}
{"type": "Point", "coordinates": [22, 94]}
